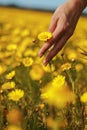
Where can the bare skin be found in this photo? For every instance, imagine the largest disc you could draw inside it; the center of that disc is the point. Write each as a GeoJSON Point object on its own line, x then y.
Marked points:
{"type": "Point", "coordinates": [62, 26]}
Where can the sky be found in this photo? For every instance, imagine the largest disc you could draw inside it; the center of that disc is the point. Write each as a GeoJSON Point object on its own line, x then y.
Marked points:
{"type": "Point", "coordinates": [39, 4]}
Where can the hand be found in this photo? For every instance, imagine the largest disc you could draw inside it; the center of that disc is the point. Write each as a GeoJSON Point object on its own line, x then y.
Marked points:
{"type": "Point", "coordinates": [62, 26]}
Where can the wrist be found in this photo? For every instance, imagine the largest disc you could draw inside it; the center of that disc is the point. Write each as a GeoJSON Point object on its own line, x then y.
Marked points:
{"type": "Point", "coordinates": [75, 8]}
{"type": "Point", "coordinates": [81, 4]}
{"type": "Point", "coordinates": [85, 2]}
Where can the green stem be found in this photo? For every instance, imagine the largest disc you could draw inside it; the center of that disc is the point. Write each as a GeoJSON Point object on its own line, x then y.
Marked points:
{"type": "Point", "coordinates": [1, 117]}
{"type": "Point", "coordinates": [71, 81]}
{"type": "Point", "coordinates": [83, 120]}
{"type": "Point", "coordinates": [69, 75]}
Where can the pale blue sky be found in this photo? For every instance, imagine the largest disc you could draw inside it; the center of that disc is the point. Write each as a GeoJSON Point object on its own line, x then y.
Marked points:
{"type": "Point", "coordinates": [39, 4]}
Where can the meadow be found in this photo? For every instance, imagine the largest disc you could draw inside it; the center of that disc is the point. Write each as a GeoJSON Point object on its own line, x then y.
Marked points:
{"type": "Point", "coordinates": [34, 96]}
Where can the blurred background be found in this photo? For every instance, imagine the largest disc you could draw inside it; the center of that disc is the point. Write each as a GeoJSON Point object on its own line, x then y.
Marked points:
{"type": "Point", "coordinates": [35, 4]}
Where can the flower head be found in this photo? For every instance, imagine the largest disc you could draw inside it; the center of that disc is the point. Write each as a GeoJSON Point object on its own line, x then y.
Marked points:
{"type": "Point", "coordinates": [58, 81]}
{"type": "Point", "coordinates": [10, 75]}
{"type": "Point", "coordinates": [57, 93]}
{"type": "Point", "coordinates": [83, 98]}
{"type": "Point", "coordinates": [11, 47]}
{"type": "Point", "coordinates": [66, 66]}
{"type": "Point", "coordinates": [37, 72]}
{"type": "Point", "coordinates": [3, 68]}
{"type": "Point", "coordinates": [8, 85]}
{"type": "Point", "coordinates": [28, 61]}
{"type": "Point", "coordinates": [14, 116]}
{"type": "Point", "coordinates": [44, 36]}
{"type": "Point", "coordinates": [13, 127]}
{"type": "Point", "coordinates": [16, 95]}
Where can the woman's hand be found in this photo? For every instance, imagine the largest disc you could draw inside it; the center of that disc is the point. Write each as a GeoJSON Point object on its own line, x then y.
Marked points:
{"type": "Point", "coordinates": [62, 26]}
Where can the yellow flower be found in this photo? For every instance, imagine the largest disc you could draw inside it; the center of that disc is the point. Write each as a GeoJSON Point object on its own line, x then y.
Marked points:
{"type": "Point", "coordinates": [48, 68]}
{"type": "Point", "coordinates": [79, 67]}
{"type": "Point", "coordinates": [37, 72]}
{"type": "Point", "coordinates": [58, 81]}
{"type": "Point", "coordinates": [16, 95]}
{"type": "Point", "coordinates": [72, 54]}
{"type": "Point", "coordinates": [2, 69]}
{"type": "Point", "coordinates": [65, 66]}
{"type": "Point", "coordinates": [57, 93]}
{"type": "Point", "coordinates": [41, 106]}
{"type": "Point", "coordinates": [10, 75]}
{"type": "Point", "coordinates": [28, 61]}
{"type": "Point", "coordinates": [14, 116]}
{"type": "Point", "coordinates": [13, 127]}
{"type": "Point", "coordinates": [11, 47]}
{"type": "Point", "coordinates": [83, 98]}
{"type": "Point", "coordinates": [57, 97]}
{"type": "Point", "coordinates": [52, 123]}
{"type": "Point", "coordinates": [8, 85]}
{"type": "Point", "coordinates": [29, 52]}
{"type": "Point", "coordinates": [44, 36]}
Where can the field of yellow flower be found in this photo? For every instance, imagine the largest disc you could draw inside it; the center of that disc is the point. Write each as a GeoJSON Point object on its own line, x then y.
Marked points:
{"type": "Point", "coordinates": [32, 96]}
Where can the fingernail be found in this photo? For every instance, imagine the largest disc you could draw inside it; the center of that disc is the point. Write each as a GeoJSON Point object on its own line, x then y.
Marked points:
{"type": "Point", "coordinates": [45, 62]}
{"type": "Point", "coordinates": [40, 54]}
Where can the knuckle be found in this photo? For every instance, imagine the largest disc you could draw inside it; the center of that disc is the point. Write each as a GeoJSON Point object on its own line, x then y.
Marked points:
{"type": "Point", "coordinates": [54, 18]}
{"type": "Point", "coordinates": [53, 40]}
{"type": "Point", "coordinates": [66, 26]}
